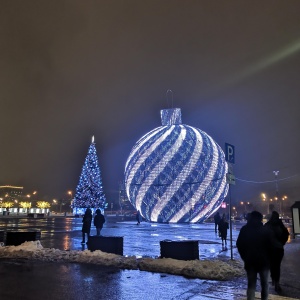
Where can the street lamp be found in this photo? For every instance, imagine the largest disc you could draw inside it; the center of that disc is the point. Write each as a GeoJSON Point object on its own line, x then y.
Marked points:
{"type": "Point", "coordinates": [71, 194]}
{"type": "Point", "coordinates": [234, 211]}
{"type": "Point", "coordinates": [277, 197]}
{"type": "Point", "coordinates": [283, 199]}
{"type": "Point", "coordinates": [54, 202]}
{"type": "Point", "coordinates": [264, 198]}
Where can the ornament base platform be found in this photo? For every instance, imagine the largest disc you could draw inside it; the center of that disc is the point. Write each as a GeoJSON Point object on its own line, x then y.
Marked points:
{"type": "Point", "coordinates": [16, 238]}
{"type": "Point", "coordinates": [109, 244]}
{"type": "Point", "coordinates": [182, 250]}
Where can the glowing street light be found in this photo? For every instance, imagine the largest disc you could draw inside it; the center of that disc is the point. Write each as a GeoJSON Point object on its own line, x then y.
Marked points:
{"type": "Point", "coordinates": [71, 202]}
{"type": "Point", "coordinates": [264, 198]}
{"type": "Point", "coordinates": [234, 211]}
{"type": "Point", "coordinates": [281, 202]}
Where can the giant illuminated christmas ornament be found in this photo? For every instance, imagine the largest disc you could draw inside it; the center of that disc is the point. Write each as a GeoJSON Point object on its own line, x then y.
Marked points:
{"type": "Point", "coordinates": [176, 173]}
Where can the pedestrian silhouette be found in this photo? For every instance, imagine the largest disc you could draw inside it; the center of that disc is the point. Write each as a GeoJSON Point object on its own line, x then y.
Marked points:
{"type": "Point", "coordinates": [217, 219]}
{"type": "Point", "coordinates": [99, 220]}
{"type": "Point", "coordinates": [138, 217]}
{"type": "Point", "coordinates": [86, 226]}
{"type": "Point", "coordinates": [255, 244]}
{"type": "Point", "coordinates": [281, 235]}
{"type": "Point", "coordinates": [223, 227]}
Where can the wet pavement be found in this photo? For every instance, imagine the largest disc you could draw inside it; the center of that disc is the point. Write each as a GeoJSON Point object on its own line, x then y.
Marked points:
{"type": "Point", "coordinates": [39, 280]}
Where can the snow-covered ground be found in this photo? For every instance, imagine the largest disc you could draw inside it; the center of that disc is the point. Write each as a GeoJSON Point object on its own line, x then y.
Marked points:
{"type": "Point", "coordinates": [204, 269]}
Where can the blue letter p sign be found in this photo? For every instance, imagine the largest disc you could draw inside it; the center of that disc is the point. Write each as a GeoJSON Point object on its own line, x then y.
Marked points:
{"type": "Point", "coordinates": [229, 153]}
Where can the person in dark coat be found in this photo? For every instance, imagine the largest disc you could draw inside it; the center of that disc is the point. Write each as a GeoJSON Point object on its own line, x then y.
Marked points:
{"type": "Point", "coordinates": [138, 217]}
{"type": "Point", "coordinates": [255, 244]}
{"type": "Point", "coordinates": [281, 235]}
{"type": "Point", "coordinates": [217, 219]}
{"type": "Point", "coordinates": [99, 220]}
{"type": "Point", "coordinates": [223, 227]}
{"type": "Point", "coordinates": [86, 226]}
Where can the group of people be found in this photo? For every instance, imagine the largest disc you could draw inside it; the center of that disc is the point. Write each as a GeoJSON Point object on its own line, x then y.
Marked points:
{"type": "Point", "coordinates": [260, 246]}
{"type": "Point", "coordinates": [99, 220]}
{"type": "Point", "coordinates": [262, 249]}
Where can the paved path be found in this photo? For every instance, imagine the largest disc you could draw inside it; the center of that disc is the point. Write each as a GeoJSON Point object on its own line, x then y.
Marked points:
{"type": "Point", "coordinates": [26, 280]}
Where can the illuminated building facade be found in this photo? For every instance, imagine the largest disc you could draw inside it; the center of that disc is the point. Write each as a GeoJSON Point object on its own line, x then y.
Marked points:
{"type": "Point", "coordinates": [176, 173]}
{"type": "Point", "coordinates": [10, 192]}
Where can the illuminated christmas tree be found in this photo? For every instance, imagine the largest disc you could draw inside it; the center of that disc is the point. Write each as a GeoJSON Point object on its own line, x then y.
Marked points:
{"type": "Point", "coordinates": [89, 191]}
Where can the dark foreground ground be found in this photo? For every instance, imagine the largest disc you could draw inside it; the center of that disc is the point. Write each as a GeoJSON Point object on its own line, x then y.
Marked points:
{"type": "Point", "coordinates": [37, 280]}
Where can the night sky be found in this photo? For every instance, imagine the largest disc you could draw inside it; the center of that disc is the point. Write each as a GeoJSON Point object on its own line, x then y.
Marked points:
{"type": "Point", "coordinates": [73, 69]}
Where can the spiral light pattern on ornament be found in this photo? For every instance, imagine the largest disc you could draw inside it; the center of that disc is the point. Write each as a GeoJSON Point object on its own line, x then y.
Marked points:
{"type": "Point", "coordinates": [176, 173]}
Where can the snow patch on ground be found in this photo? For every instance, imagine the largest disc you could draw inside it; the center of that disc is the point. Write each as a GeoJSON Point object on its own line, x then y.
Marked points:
{"type": "Point", "coordinates": [203, 269]}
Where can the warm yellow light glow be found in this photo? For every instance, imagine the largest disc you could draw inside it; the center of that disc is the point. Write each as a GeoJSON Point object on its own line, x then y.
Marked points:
{"type": "Point", "coordinates": [11, 186]}
{"type": "Point", "coordinates": [43, 204]}
{"type": "Point", "coordinates": [7, 204]}
{"type": "Point", "coordinates": [25, 204]}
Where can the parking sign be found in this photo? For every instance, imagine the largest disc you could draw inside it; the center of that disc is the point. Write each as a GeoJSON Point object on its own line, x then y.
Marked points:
{"type": "Point", "coordinates": [229, 153]}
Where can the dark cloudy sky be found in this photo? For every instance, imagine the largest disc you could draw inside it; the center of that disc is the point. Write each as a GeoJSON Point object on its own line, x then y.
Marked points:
{"type": "Point", "coordinates": [73, 69]}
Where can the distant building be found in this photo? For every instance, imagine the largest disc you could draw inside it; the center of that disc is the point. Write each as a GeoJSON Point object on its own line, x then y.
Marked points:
{"type": "Point", "coordinates": [10, 192]}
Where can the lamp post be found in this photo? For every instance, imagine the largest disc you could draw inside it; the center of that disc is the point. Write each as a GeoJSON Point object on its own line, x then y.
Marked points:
{"type": "Point", "coordinates": [277, 192]}
{"type": "Point", "coordinates": [71, 194]}
{"type": "Point", "coordinates": [234, 211]}
{"type": "Point", "coordinates": [55, 202]}
{"type": "Point", "coordinates": [283, 199]}
{"type": "Point", "coordinates": [264, 198]}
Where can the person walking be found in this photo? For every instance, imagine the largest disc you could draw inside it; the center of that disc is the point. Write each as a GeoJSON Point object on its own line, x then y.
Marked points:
{"type": "Point", "coordinates": [255, 244]}
{"type": "Point", "coordinates": [138, 217]}
{"type": "Point", "coordinates": [281, 235]}
{"type": "Point", "coordinates": [86, 226]}
{"type": "Point", "coordinates": [223, 228]}
{"type": "Point", "coordinates": [217, 219]}
{"type": "Point", "coordinates": [99, 220]}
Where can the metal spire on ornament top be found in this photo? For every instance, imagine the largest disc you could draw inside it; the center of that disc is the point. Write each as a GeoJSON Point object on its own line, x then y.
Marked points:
{"type": "Point", "coordinates": [169, 91]}
{"type": "Point", "coordinates": [170, 116]}
{"type": "Point", "coordinates": [93, 139]}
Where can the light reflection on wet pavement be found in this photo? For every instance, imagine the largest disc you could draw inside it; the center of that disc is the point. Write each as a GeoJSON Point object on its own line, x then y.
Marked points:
{"type": "Point", "coordinates": [80, 281]}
